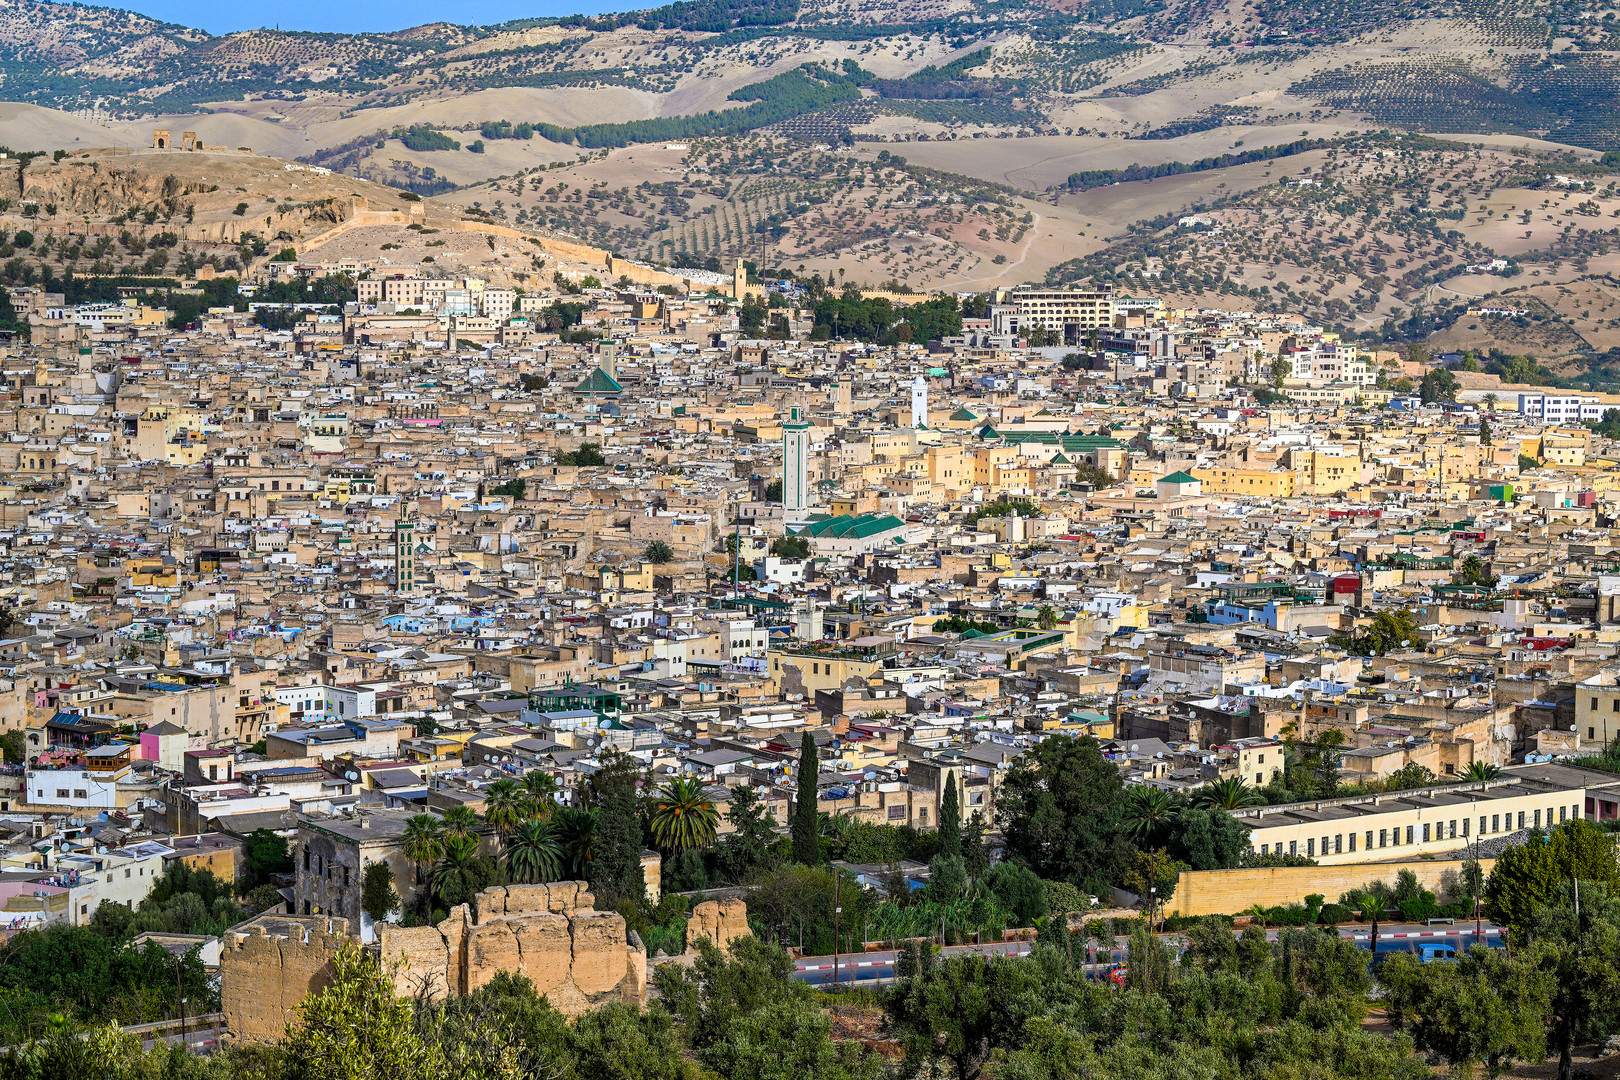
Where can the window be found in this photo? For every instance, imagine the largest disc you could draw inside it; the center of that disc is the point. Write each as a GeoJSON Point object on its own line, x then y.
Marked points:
{"type": "Point", "coordinates": [1496, 823]}
{"type": "Point", "coordinates": [126, 871]}
{"type": "Point", "coordinates": [1409, 830]}
{"type": "Point", "coordinates": [1383, 837]}
{"type": "Point", "coordinates": [1338, 844]}
{"type": "Point", "coordinates": [1425, 834]}
{"type": "Point", "coordinates": [1453, 829]}
{"type": "Point", "coordinates": [1521, 819]}
{"type": "Point", "coordinates": [1310, 847]}
{"type": "Point", "coordinates": [1265, 849]}
{"type": "Point", "coordinates": [896, 813]}
{"type": "Point", "coordinates": [1560, 815]}
{"type": "Point", "coordinates": [61, 793]}
{"type": "Point", "coordinates": [1352, 841]}
{"type": "Point", "coordinates": [1369, 840]}
{"type": "Point", "coordinates": [80, 793]}
{"type": "Point", "coordinates": [1293, 847]}
{"type": "Point", "coordinates": [1538, 819]}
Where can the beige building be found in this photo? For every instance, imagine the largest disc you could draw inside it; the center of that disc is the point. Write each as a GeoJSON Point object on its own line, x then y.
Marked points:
{"type": "Point", "coordinates": [1421, 822]}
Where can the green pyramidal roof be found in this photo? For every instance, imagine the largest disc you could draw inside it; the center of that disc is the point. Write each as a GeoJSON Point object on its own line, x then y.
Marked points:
{"type": "Point", "coordinates": [1179, 478]}
{"type": "Point", "coordinates": [963, 414]}
{"type": "Point", "coordinates": [599, 382]}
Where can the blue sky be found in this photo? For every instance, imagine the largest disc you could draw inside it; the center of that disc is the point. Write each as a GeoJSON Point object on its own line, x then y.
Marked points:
{"type": "Point", "coordinates": [360, 15]}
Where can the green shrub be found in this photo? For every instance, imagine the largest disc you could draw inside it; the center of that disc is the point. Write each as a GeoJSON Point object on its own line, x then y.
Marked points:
{"type": "Point", "coordinates": [1334, 913]}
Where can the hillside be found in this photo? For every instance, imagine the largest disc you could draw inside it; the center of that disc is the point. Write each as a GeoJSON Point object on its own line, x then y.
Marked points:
{"type": "Point", "coordinates": [944, 143]}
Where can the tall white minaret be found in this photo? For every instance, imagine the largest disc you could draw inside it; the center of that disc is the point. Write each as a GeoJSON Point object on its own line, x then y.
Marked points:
{"type": "Point", "coordinates": [795, 463]}
{"type": "Point", "coordinates": [919, 402]}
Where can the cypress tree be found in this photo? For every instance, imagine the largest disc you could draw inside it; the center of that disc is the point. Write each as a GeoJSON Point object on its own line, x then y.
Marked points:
{"type": "Point", "coordinates": [950, 820]}
{"type": "Point", "coordinates": [806, 848]}
{"type": "Point", "coordinates": [615, 874]}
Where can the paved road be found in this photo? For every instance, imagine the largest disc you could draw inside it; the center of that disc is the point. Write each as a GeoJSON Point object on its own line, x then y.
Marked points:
{"type": "Point", "coordinates": [876, 967]}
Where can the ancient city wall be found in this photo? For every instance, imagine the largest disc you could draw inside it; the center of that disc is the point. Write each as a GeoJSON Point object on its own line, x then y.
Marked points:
{"type": "Point", "coordinates": [578, 957]}
{"type": "Point", "coordinates": [721, 921]}
{"type": "Point", "coordinates": [270, 966]}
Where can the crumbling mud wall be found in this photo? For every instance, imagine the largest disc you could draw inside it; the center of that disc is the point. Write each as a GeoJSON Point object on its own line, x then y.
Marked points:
{"type": "Point", "coordinates": [721, 921]}
{"type": "Point", "coordinates": [578, 957]}
{"type": "Point", "coordinates": [268, 965]}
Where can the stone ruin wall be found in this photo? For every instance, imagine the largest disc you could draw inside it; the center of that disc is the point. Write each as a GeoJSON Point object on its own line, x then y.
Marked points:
{"type": "Point", "coordinates": [578, 957]}
{"type": "Point", "coordinates": [266, 971]}
{"type": "Point", "coordinates": [721, 921]}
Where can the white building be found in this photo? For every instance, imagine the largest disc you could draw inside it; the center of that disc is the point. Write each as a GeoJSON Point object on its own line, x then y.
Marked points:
{"type": "Point", "coordinates": [1561, 408]}
{"type": "Point", "coordinates": [323, 702]}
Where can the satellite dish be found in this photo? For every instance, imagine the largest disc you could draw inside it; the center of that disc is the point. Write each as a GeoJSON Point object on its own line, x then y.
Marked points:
{"type": "Point", "coordinates": [351, 775]}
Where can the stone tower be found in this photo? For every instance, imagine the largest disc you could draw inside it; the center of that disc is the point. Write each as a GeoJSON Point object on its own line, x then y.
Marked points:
{"type": "Point", "coordinates": [405, 555]}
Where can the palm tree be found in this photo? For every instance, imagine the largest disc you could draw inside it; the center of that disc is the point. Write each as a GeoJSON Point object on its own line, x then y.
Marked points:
{"type": "Point", "coordinates": [533, 854]}
{"type": "Point", "coordinates": [683, 818]}
{"type": "Point", "coordinates": [422, 841]}
{"type": "Point", "coordinates": [460, 821]}
{"type": "Point", "coordinates": [1148, 811]}
{"type": "Point", "coordinates": [539, 789]}
{"type": "Point", "coordinates": [1047, 618]}
{"type": "Point", "coordinates": [1228, 793]}
{"type": "Point", "coordinates": [576, 830]}
{"type": "Point", "coordinates": [1373, 901]}
{"type": "Point", "coordinates": [1481, 770]}
{"type": "Point", "coordinates": [503, 807]}
{"type": "Point", "coordinates": [455, 872]}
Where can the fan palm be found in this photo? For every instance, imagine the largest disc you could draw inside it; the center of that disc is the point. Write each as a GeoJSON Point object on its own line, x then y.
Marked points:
{"type": "Point", "coordinates": [533, 853]}
{"type": "Point", "coordinates": [1148, 812]}
{"type": "Point", "coordinates": [460, 821]}
{"type": "Point", "coordinates": [1228, 793]}
{"type": "Point", "coordinates": [423, 841]}
{"type": "Point", "coordinates": [540, 789]}
{"type": "Point", "coordinates": [455, 873]}
{"type": "Point", "coordinates": [576, 831]}
{"type": "Point", "coordinates": [683, 818]}
{"type": "Point", "coordinates": [504, 805]}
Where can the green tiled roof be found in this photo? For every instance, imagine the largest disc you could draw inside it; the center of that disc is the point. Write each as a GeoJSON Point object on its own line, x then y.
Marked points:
{"type": "Point", "coordinates": [599, 382]}
{"type": "Point", "coordinates": [964, 414]}
{"type": "Point", "coordinates": [853, 525]}
{"type": "Point", "coordinates": [1071, 444]}
{"type": "Point", "coordinates": [1179, 477]}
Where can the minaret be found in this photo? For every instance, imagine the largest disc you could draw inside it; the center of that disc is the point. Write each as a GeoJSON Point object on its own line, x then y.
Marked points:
{"type": "Point", "coordinates": [795, 464]}
{"type": "Point", "coordinates": [739, 281]}
{"type": "Point", "coordinates": [608, 353]}
{"type": "Point", "coordinates": [405, 555]}
{"type": "Point", "coordinates": [919, 402]}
